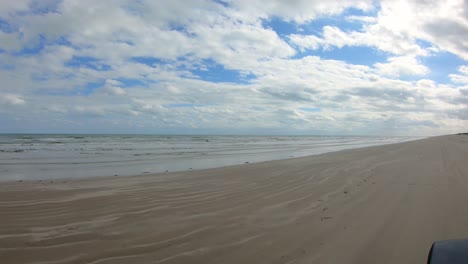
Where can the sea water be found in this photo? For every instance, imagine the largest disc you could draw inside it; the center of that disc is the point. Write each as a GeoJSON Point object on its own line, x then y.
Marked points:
{"type": "Point", "coordinates": [42, 156]}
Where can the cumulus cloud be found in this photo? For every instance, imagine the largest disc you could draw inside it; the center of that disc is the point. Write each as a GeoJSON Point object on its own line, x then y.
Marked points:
{"type": "Point", "coordinates": [112, 90]}
{"type": "Point", "coordinates": [112, 87]}
{"type": "Point", "coordinates": [401, 66]}
{"type": "Point", "coordinates": [439, 22]}
{"type": "Point", "coordinates": [462, 76]}
{"type": "Point", "coordinates": [304, 42]}
{"type": "Point", "coordinates": [400, 24]}
{"type": "Point", "coordinates": [142, 64]}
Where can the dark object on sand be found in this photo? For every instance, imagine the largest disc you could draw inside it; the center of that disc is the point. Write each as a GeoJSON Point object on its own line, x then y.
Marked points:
{"type": "Point", "coordinates": [449, 251]}
{"type": "Point", "coordinates": [462, 134]}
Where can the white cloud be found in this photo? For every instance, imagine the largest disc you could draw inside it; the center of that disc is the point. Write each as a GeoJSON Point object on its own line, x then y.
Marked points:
{"type": "Point", "coordinates": [462, 77]}
{"type": "Point", "coordinates": [463, 69]}
{"type": "Point", "coordinates": [438, 22]}
{"type": "Point", "coordinates": [299, 11]}
{"type": "Point", "coordinates": [306, 41]}
{"type": "Point", "coordinates": [9, 41]}
{"type": "Point", "coordinates": [425, 83]}
{"type": "Point", "coordinates": [12, 99]}
{"type": "Point", "coordinates": [375, 37]}
{"type": "Point", "coordinates": [10, 7]}
{"type": "Point", "coordinates": [365, 19]}
{"type": "Point", "coordinates": [236, 44]}
{"type": "Point", "coordinates": [89, 110]}
{"type": "Point", "coordinates": [53, 108]}
{"type": "Point", "coordinates": [112, 90]}
{"type": "Point", "coordinates": [112, 87]}
{"type": "Point", "coordinates": [400, 24]}
{"type": "Point", "coordinates": [401, 66]}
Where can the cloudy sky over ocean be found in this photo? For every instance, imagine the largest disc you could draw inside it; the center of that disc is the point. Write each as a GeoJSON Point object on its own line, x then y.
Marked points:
{"type": "Point", "coordinates": [234, 67]}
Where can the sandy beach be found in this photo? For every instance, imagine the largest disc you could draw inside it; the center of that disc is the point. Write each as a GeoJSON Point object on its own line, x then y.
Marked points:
{"type": "Point", "coordinates": [383, 204]}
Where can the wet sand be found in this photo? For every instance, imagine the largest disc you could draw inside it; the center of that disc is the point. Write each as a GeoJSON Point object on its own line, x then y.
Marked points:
{"type": "Point", "coordinates": [383, 204]}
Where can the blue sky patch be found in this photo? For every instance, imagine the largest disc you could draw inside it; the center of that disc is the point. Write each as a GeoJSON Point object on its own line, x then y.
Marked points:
{"type": "Point", "coordinates": [150, 61]}
{"type": "Point", "coordinates": [41, 42]}
{"type": "Point", "coordinates": [204, 69]}
{"type": "Point", "coordinates": [181, 28]}
{"type": "Point", "coordinates": [221, 2]}
{"type": "Point", "coordinates": [423, 44]}
{"type": "Point", "coordinates": [359, 55]}
{"type": "Point", "coordinates": [283, 27]}
{"type": "Point", "coordinates": [33, 48]}
{"type": "Point", "coordinates": [127, 82]}
{"type": "Point", "coordinates": [351, 54]}
{"type": "Point", "coordinates": [6, 27]}
{"type": "Point", "coordinates": [91, 87]}
{"type": "Point", "coordinates": [280, 26]}
{"type": "Point", "coordinates": [315, 27]}
{"type": "Point", "coordinates": [87, 62]}
{"type": "Point", "coordinates": [214, 72]}
{"type": "Point", "coordinates": [44, 7]}
{"type": "Point", "coordinates": [441, 65]}
{"type": "Point", "coordinates": [358, 12]}
{"type": "Point", "coordinates": [61, 41]}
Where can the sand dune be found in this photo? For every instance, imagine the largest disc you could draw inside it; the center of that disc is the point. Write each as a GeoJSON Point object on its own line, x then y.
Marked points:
{"type": "Point", "coordinates": [381, 204]}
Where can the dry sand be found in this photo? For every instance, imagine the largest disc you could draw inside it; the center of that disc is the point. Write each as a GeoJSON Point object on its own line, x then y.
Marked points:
{"type": "Point", "coordinates": [383, 204]}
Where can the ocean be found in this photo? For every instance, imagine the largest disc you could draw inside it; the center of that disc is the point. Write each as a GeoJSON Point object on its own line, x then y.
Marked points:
{"type": "Point", "coordinates": [44, 156]}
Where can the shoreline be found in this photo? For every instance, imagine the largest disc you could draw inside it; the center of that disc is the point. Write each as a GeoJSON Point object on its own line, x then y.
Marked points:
{"type": "Point", "coordinates": [247, 162]}
{"type": "Point", "coordinates": [376, 204]}
{"type": "Point", "coordinates": [45, 157]}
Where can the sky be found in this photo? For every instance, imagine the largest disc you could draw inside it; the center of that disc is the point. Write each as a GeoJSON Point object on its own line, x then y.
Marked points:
{"type": "Point", "coordinates": [299, 67]}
